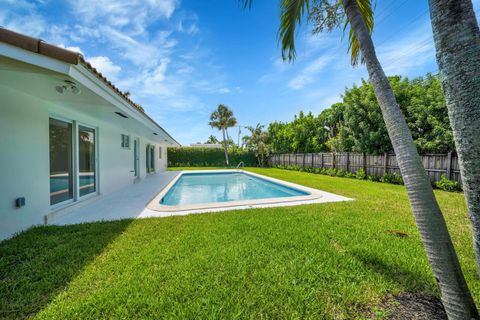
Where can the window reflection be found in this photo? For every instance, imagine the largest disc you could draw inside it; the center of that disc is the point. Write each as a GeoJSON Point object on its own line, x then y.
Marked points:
{"type": "Point", "coordinates": [61, 177]}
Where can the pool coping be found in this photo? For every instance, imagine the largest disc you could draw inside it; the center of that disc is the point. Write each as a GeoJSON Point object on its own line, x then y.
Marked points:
{"type": "Point", "coordinates": [313, 195]}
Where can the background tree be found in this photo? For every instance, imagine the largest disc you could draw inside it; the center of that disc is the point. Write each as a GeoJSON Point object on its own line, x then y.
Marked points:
{"type": "Point", "coordinates": [457, 43]}
{"type": "Point", "coordinates": [356, 124]}
{"type": "Point", "coordinates": [223, 118]}
{"type": "Point", "coordinates": [421, 101]}
{"type": "Point", "coordinates": [212, 140]}
{"type": "Point", "coordinates": [332, 122]}
{"type": "Point", "coordinates": [257, 142]}
{"type": "Point", "coordinates": [358, 14]}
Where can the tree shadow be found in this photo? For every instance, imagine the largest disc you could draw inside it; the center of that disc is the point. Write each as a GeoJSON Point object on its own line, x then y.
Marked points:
{"type": "Point", "coordinates": [408, 279]}
{"type": "Point", "coordinates": [39, 263]}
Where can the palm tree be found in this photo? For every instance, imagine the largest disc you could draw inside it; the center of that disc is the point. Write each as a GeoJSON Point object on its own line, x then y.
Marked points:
{"type": "Point", "coordinates": [441, 254]}
{"type": "Point", "coordinates": [223, 118]}
{"type": "Point", "coordinates": [257, 142]}
{"type": "Point", "coordinates": [212, 140]}
{"type": "Point", "coordinates": [457, 42]}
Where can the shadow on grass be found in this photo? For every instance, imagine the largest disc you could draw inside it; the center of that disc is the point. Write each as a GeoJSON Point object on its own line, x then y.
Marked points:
{"type": "Point", "coordinates": [39, 263]}
{"type": "Point", "coordinates": [399, 273]}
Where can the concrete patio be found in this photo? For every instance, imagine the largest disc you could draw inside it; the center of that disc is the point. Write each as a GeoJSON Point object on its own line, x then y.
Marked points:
{"type": "Point", "coordinates": [128, 202]}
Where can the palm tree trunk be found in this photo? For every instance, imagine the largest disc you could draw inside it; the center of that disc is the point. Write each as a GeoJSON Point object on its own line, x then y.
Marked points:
{"type": "Point", "coordinates": [455, 294]}
{"type": "Point", "coordinates": [457, 41]}
{"type": "Point", "coordinates": [225, 147]}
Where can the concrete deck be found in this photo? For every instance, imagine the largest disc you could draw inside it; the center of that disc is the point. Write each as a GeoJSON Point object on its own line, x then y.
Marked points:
{"type": "Point", "coordinates": [128, 202]}
{"type": "Point", "coordinates": [132, 201]}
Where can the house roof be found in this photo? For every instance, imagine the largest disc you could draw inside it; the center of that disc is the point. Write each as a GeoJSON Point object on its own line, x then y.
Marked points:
{"type": "Point", "coordinates": [41, 47]}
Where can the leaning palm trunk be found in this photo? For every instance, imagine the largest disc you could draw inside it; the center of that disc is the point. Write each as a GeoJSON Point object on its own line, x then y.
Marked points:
{"type": "Point", "coordinates": [457, 41]}
{"type": "Point", "coordinates": [225, 147]}
{"type": "Point", "coordinates": [441, 254]}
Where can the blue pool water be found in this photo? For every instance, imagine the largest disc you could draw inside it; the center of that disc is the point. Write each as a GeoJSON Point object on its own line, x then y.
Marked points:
{"type": "Point", "coordinates": [194, 188]}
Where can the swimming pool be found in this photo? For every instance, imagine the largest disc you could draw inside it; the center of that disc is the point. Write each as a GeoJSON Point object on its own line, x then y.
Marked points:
{"type": "Point", "coordinates": [203, 191]}
{"type": "Point", "coordinates": [194, 188]}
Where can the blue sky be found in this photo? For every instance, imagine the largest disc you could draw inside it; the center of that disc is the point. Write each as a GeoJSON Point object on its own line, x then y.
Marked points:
{"type": "Point", "coordinates": [181, 58]}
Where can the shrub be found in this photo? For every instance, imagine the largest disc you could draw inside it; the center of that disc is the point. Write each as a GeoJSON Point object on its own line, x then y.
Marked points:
{"type": "Point", "coordinates": [331, 172]}
{"type": "Point", "coordinates": [205, 157]}
{"type": "Point", "coordinates": [340, 173]}
{"type": "Point", "coordinates": [360, 174]}
{"type": "Point", "coordinates": [393, 178]}
{"type": "Point", "coordinates": [447, 185]}
{"type": "Point", "coordinates": [349, 174]}
{"type": "Point", "coordinates": [373, 178]}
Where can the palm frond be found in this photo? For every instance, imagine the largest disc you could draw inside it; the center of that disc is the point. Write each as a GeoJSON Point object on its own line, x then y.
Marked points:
{"type": "Point", "coordinates": [366, 10]}
{"type": "Point", "coordinates": [292, 12]}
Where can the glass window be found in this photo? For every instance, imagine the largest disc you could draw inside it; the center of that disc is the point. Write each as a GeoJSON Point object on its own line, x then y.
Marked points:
{"type": "Point", "coordinates": [125, 141]}
{"type": "Point", "coordinates": [86, 160]}
{"type": "Point", "coordinates": [160, 152]}
{"type": "Point", "coordinates": [61, 173]}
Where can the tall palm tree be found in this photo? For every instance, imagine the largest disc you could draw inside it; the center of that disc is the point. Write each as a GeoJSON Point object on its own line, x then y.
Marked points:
{"type": "Point", "coordinates": [223, 118]}
{"type": "Point", "coordinates": [457, 42]}
{"type": "Point", "coordinates": [328, 15]}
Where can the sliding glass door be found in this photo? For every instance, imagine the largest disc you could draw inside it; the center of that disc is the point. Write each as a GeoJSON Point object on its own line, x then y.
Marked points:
{"type": "Point", "coordinates": [71, 144]}
{"type": "Point", "coordinates": [61, 160]}
{"type": "Point", "coordinates": [86, 160]}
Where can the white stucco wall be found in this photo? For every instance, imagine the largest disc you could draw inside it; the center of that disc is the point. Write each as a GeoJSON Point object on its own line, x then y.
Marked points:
{"type": "Point", "coordinates": [24, 159]}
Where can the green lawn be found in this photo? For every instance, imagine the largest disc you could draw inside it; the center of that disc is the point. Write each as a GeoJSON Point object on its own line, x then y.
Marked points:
{"type": "Point", "coordinates": [313, 261]}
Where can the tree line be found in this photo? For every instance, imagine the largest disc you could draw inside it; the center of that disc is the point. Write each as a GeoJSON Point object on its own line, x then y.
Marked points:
{"type": "Point", "coordinates": [356, 124]}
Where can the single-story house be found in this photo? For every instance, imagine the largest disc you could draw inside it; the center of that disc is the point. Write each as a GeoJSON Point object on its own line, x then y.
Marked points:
{"type": "Point", "coordinates": [67, 134]}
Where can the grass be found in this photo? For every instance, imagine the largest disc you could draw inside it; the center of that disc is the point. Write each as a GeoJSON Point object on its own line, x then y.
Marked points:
{"type": "Point", "coordinates": [331, 261]}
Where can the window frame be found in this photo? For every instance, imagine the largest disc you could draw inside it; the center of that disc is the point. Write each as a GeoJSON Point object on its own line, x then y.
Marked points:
{"type": "Point", "coordinates": [123, 138]}
{"type": "Point", "coordinates": [75, 162]}
{"type": "Point", "coordinates": [73, 146]}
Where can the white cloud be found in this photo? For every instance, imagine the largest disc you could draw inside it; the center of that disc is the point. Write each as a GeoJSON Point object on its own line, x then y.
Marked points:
{"type": "Point", "coordinates": [307, 75]}
{"type": "Point", "coordinates": [32, 24]}
{"type": "Point", "coordinates": [185, 70]}
{"type": "Point", "coordinates": [143, 53]}
{"type": "Point", "coordinates": [154, 81]}
{"type": "Point", "coordinates": [191, 29]}
{"type": "Point", "coordinates": [224, 90]}
{"type": "Point", "coordinates": [105, 66]}
{"type": "Point", "coordinates": [133, 15]}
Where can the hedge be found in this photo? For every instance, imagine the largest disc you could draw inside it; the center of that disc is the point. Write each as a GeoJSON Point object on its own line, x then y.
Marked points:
{"type": "Point", "coordinates": [208, 157]}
